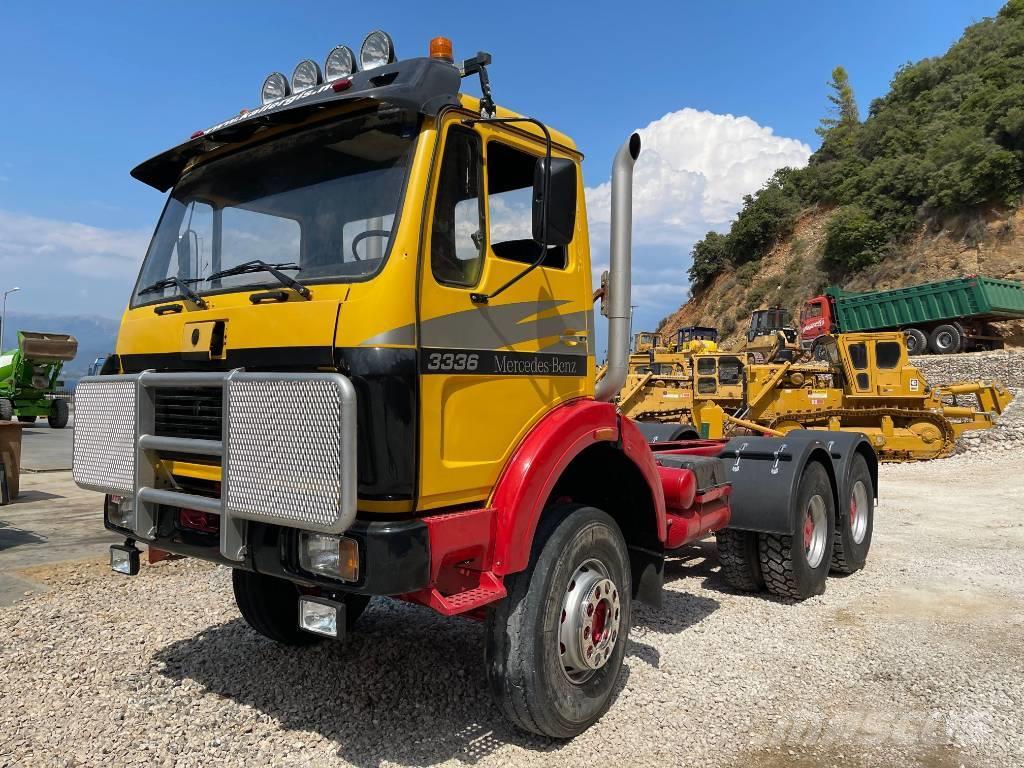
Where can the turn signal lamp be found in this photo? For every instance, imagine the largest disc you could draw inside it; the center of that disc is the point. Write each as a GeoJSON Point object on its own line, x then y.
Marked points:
{"type": "Point", "coordinates": [334, 556]}
{"type": "Point", "coordinates": [441, 48]}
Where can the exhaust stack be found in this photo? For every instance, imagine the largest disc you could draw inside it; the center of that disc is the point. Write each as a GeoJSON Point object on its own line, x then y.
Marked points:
{"type": "Point", "coordinates": [619, 270]}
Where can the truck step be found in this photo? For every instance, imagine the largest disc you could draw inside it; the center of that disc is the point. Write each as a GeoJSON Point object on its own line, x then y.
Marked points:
{"type": "Point", "coordinates": [490, 590]}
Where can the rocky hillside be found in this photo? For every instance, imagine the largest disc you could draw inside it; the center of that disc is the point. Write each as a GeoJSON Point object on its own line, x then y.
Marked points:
{"type": "Point", "coordinates": [928, 186]}
{"type": "Point", "coordinates": [989, 244]}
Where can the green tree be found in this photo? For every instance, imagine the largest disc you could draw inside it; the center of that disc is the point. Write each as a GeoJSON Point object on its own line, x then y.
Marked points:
{"type": "Point", "coordinates": [843, 111]}
{"type": "Point", "coordinates": [709, 255]}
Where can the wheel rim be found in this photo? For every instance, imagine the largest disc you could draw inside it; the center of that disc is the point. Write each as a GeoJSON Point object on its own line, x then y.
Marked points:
{"type": "Point", "coordinates": [815, 521]}
{"type": "Point", "coordinates": [945, 340]}
{"type": "Point", "coordinates": [859, 512]}
{"type": "Point", "coordinates": [589, 625]}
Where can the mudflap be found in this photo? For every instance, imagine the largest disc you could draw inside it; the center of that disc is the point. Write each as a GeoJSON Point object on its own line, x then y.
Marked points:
{"type": "Point", "coordinates": [765, 474]}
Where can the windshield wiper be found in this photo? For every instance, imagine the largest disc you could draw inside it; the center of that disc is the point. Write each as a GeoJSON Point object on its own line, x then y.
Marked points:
{"type": "Point", "coordinates": [262, 266]}
{"type": "Point", "coordinates": [183, 289]}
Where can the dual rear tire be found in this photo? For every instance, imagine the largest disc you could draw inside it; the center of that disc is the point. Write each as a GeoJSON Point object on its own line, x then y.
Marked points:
{"type": "Point", "coordinates": [797, 566]}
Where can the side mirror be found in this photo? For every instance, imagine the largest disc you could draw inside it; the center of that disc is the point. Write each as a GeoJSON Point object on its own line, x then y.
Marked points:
{"type": "Point", "coordinates": [559, 204]}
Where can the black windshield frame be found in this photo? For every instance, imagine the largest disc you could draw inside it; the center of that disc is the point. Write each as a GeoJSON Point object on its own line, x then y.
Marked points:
{"type": "Point", "coordinates": [412, 121]}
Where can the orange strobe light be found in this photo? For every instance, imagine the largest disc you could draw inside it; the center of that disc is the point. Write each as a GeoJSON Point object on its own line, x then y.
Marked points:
{"type": "Point", "coordinates": [441, 48]}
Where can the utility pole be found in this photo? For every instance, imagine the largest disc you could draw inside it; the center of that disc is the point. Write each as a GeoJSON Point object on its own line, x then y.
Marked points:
{"type": "Point", "coordinates": [3, 315]}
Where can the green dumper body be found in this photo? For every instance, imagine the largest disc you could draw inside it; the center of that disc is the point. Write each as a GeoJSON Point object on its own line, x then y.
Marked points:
{"type": "Point", "coordinates": [29, 376]}
{"type": "Point", "coordinates": [983, 299]}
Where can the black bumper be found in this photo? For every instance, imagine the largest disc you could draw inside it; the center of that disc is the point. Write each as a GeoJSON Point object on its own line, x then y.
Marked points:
{"type": "Point", "coordinates": [394, 556]}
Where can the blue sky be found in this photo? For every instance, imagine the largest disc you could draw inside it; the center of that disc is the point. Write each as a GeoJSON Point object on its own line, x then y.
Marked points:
{"type": "Point", "coordinates": [92, 89]}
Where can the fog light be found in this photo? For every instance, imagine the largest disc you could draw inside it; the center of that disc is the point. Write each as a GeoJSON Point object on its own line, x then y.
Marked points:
{"type": "Point", "coordinates": [333, 556]}
{"type": "Point", "coordinates": [124, 559]}
{"type": "Point", "coordinates": [320, 616]}
{"type": "Point", "coordinates": [120, 511]}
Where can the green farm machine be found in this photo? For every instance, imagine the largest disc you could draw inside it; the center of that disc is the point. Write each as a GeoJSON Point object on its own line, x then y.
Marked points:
{"type": "Point", "coordinates": [29, 377]}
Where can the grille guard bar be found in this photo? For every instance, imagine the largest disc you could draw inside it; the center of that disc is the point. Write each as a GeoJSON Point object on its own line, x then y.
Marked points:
{"type": "Point", "coordinates": [297, 469]}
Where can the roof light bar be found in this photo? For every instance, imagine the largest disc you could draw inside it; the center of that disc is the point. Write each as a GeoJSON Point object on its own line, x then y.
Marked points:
{"type": "Point", "coordinates": [274, 87]}
{"type": "Point", "coordinates": [307, 75]}
{"type": "Point", "coordinates": [377, 50]}
{"type": "Point", "coordinates": [341, 62]}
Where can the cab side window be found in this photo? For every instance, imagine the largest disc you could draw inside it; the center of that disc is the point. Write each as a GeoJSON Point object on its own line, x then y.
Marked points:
{"type": "Point", "coordinates": [510, 205]}
{"type": "Point", "coordinates": [457, 237]}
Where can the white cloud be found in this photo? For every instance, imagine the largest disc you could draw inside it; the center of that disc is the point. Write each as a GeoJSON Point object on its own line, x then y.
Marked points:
{"type": "Point", "coordinates": [693, 171]}
{"type": "Point", "coordinates": [32, 242]}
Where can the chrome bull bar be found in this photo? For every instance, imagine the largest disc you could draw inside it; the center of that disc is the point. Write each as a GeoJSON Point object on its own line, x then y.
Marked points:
{"type": "Point", "coordinates": [287, 449]}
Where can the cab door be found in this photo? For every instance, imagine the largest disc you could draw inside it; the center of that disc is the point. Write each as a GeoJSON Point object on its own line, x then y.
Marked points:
{"type": "Point", "coordinates": [491, 369]}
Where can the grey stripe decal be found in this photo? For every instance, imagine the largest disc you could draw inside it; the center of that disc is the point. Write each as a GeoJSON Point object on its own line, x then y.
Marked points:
{"type": "Point", "coordinates": [488, 327]}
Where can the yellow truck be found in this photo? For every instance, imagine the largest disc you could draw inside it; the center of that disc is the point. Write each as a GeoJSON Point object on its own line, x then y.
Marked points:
{"type": "Point", "coordinates": [359, 361]}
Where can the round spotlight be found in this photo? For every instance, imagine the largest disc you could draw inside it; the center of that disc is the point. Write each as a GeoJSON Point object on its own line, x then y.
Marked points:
{"type": "Point", "coordinates": [274, 87]}
{"type": "Point", "coordinates": [377, 50]}
{"type": "Point", "coordinates": [306, 75]}
{"type": "Point", "coordinates": [341, 62]}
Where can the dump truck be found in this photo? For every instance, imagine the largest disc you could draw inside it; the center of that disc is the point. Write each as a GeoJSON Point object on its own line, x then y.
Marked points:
{"type": "Point", "coordinates": [359, 361]}
{"type": "Point", "coordinates": [866, 384]}
{"type": "Point", "coordinates": [29, 377]}
{"type": "Point", "coordinates": [941, 317]}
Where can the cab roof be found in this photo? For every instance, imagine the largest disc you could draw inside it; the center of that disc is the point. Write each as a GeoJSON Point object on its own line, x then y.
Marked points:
{"type": "Point", "coordinates": [423, 85]}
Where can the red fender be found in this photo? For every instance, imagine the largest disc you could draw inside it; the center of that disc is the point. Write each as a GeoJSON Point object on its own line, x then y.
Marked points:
{"type": "Point", "coordinates": [530, 475]}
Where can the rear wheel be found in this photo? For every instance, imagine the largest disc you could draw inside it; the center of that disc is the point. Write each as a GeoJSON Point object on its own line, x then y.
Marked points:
{"type": "Point", "coordinates": [27, 419]}
{"type": "Point", "coordinates": [741, 564]}
{"type": "Point", "coordinates": [945, 340]}
{"type": "Point", "coordinates": [6, 409]}
{"type": "Point", "coordinates": [796, 566]}
{"type": "Point", "coordinates": [554, 646]}
{"type": "Point", "coordinates": [917, 342]}
{"type": "Point", "coordinates": [855, 520]}
{"type": "Point", "coordinates": [271, 607]}
{"type": "Point", "coordinates": [58, 417]}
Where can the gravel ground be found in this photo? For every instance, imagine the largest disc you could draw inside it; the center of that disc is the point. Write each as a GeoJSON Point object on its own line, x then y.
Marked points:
{"type": "Point", "coordinates": [914, 661]}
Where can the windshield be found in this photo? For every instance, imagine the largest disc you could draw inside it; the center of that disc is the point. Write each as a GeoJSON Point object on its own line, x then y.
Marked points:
{"type": "Point", "coordinates": [324, 200]}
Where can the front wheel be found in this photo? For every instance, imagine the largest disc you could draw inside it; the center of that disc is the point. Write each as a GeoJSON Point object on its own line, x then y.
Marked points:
{"type": "Point", "coordinates": [554, 646]}
{"type": "Point", "coordinates": [58, 417]}
{"type": "Point", "coordinates": [917, 342]}
{"type": "Point", "coordinates": [6, 409]}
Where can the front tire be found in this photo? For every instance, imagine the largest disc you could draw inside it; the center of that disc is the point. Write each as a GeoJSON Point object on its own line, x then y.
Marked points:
{"type": "Point", "coordinates": [554, 646]}
{"type": "Point", "coordinates": [58, 418]}
{"type": "Point", "coordinates": [796, 566]}
{"type": "Point", "coordinates": [271, 607]}
{"type": "Point", "coordinates": [6, 409]}
{"type": "Point", "coordinates": [855, 520]}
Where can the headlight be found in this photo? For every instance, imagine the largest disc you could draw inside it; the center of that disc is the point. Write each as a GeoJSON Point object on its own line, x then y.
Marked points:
{"type": "Point", "coordinates": [334, 556]}
{"type": "Point", "coordinates": [274, 87]}
{"type": "Point", "coordinates": [306, 75]}
{"type": "Point", "coordinates": [376, 50]}
{"type": "Point", "coordinates": [120, 511]}
{"type": "Point", "coordinates": [341, 62]}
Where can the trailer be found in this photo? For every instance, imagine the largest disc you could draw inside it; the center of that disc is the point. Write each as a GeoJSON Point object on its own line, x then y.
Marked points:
{"type": "Point", "coordinates": [941, 317]}
{"type": "Point", "coordinates": [404, 403]}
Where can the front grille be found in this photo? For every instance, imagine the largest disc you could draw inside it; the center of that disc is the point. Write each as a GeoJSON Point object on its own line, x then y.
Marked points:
{"type": "Point", "coordinates": [195, 412]}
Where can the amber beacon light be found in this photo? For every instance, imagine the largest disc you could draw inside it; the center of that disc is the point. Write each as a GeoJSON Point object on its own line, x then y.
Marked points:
{"type": "Point", "coordinates": [441, 48]}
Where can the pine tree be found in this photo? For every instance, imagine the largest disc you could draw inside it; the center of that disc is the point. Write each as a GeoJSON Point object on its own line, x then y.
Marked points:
{"type": "Point", "coordinates": [844, 107]}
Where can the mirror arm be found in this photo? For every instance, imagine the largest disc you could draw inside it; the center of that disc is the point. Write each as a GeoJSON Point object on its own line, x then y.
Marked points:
{"type": "Point", "coordinates": [483, 298]}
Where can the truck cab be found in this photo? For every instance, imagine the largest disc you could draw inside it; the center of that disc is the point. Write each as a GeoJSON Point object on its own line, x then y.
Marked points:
{"type": "Point", "coordinates": [817, 318]}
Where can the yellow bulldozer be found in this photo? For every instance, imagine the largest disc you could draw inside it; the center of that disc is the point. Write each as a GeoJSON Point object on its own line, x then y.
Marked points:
{"type": "Point", "coordinates": [865, 385]}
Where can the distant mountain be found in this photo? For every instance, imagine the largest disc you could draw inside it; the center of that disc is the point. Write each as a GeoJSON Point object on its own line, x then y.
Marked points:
{"type": "Point", "coordinates": [96, 335]}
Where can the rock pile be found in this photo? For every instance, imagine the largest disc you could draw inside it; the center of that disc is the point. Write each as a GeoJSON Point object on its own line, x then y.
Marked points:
{"type": "Point", "coordinates": [1004, 365]}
